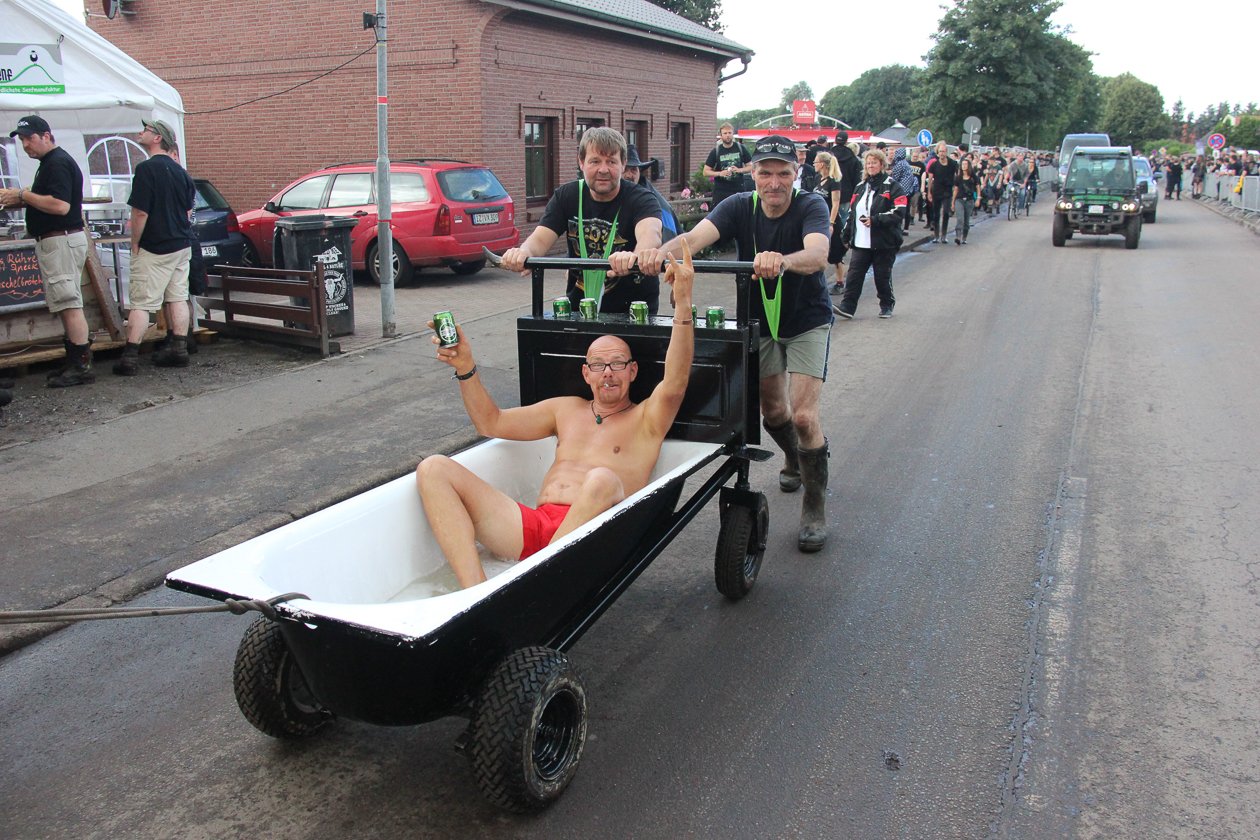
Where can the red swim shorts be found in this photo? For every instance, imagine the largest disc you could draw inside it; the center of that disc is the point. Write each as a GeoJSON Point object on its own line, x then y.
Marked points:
{"type": "Point", "coordinates": [538, 526]}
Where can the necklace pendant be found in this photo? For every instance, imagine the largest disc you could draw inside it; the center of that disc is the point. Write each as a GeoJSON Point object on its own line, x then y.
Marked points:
{"type": "Point", "coordinates": [598, 420]}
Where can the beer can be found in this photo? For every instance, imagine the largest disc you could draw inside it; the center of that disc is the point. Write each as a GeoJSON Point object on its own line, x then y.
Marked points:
{"type": "Point", "coordinates": [639, 311]}
{"type": "Point", "coordinates": [586, 307]}
{"type": "Point", "coordinates": [715, 318]}
{"type": "Point", "coordinates": [444, 326]}
{"type": "Point", "coordinates": [561, 308]}
{"type": "Point", "coordinates": [695, 317]}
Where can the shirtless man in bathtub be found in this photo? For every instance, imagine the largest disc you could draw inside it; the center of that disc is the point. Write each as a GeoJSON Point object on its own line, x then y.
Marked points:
{"type": "Point", "coordinates": [606, 446]}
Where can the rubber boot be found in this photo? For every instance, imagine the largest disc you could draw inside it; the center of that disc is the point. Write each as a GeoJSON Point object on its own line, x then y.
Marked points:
{"type": "Point", "coordinates": [191, 341]}
{"type": "Point", "coordinates": [78, 369]}
{"type": "Point", "coordinates": [813, 532]}
{"type": "Point", "coordinates": [785, 436]}
{"type": "Point", "coordinates": [174, 354]}
{"type": "Point", "coordinates": [128, 363]}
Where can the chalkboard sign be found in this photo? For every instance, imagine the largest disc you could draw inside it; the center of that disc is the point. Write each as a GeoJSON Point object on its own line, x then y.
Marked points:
{"type": "Point", "coordinates": [21, 286]}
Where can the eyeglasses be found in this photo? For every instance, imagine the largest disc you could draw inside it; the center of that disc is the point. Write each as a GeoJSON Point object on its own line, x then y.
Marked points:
{"type": "Point", "coordinates": [598, 367]}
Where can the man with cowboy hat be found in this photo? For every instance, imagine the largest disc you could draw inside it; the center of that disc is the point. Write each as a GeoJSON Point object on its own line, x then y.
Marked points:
{"type": "Point", "coordinates": [635, 174]}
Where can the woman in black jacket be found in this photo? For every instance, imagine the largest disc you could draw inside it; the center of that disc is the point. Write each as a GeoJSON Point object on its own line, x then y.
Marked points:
{"type": "Point", "coordinates": [873, 236]}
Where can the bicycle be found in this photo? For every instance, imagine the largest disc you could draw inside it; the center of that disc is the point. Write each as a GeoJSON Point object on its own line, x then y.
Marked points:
{"type": "Point", "coordinates": [1030, 197]}
{"type": "Point", "coordinates": [1013, 202]}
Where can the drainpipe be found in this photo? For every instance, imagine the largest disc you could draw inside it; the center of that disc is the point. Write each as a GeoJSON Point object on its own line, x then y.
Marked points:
{"type": "Point", "coordinates": [746, 58]}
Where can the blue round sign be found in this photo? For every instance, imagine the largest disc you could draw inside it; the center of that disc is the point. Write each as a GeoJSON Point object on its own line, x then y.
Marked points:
{"type": "Point", "coordinates": [1217, 141]}
{"type": "Point", "coordinates": [925, 138]}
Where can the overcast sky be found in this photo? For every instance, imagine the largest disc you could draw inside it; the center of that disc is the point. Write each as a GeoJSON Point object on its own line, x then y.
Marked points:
{"type": "Point", "coordinates": [1200, 58]}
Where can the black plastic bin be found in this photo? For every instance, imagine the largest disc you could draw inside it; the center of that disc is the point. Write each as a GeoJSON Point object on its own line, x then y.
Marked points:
{"type": "Point", "coordinates": [307, 240]}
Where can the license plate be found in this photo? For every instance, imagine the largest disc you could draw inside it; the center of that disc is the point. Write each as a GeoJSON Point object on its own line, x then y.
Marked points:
{"type": "Point", "coordinates": [1096, 208]}
{"type": "Point", "coordinates": [209, 250]}
{"type": "Point", "coordinates": [485, 218]}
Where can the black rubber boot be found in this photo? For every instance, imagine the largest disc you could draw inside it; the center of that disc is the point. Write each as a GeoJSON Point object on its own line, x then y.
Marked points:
{"type": "Point", "coordinates": [65, 363]}
{"type": "Point", "coordinates": [813, 534]}
{"type": "Point", "coordinates": [785, 436]}
{"type": "Point", "coordinates": [78, 370]}
{"type": "Point", "coordinates": [174, 354]}
{"type": "Point", "coordinates": [128, 363]}
{"type": "Point", "coordinates": [191, 341]}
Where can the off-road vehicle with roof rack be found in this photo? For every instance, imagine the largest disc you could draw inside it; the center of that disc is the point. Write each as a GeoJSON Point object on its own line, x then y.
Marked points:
{"type": "Point", "coordinates": [1100, 196]}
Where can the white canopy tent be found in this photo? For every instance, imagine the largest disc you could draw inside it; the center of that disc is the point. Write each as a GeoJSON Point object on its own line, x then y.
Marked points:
{"type": "Point", "coordinates": [106, 92]}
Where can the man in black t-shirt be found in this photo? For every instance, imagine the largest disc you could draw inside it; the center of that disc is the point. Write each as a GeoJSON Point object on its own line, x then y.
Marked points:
{"type": "Point", "coordinates": [726, 164]}
{"type": "Point", "coordinates": [602, 216]}
{"type": "Point", "coordinates": [784, 233]}
{"type": "Point", "coordinates": [941, 174]}
{"type": "Point", "coordinates": [54, 218]}
{"type": "Point", "coordinates": [161, 201]}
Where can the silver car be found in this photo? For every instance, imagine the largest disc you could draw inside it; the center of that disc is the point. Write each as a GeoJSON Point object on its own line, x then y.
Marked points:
{"type": "Point", "coordinates": [1150, 199]}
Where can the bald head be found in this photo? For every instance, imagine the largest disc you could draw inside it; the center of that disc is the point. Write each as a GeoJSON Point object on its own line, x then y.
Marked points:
{"type": "Point", "coordinates": [608, 348]}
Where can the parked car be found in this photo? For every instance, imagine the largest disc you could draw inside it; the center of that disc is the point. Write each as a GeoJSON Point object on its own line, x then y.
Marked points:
{"type": "Point", "coordinates": [443, 213]}
{"type": "Point", "coordinates": [216, 226]}
{"type": "Point", "coordinates": [1150, 199]}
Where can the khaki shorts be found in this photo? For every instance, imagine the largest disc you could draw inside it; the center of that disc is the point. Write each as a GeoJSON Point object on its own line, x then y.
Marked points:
{"type": "Point", "coordinates": [61, 261]}
{"type": "Point", "coordinates": [805, 353]}
{"type": "Point", "coordinates": [157, 279]}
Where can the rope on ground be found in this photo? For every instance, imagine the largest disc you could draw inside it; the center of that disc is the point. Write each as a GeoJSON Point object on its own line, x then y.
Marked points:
{"type": "Point", "coordinates": [232, 605]}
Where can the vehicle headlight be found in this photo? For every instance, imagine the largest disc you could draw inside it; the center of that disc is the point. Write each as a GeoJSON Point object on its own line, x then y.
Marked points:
{"type": "Point", "coordinates": [1115, 205]}
{"type": "Point", "coordinates": [1077, 205]}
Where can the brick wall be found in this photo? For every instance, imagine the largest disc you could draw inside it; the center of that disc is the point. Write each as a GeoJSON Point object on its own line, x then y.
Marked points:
{"type": "Point", "coordinates": [462, 75]}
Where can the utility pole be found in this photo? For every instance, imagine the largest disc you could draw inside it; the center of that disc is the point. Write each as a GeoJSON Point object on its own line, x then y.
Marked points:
{"type": "Point", "coordinates": [384, 235]}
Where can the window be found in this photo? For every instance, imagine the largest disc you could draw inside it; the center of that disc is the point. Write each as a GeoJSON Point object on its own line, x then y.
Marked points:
{"type": "Point", "coordinates": [307, 195]}
{"type": "Point", "coordinates": [585, 123]}
{"type": "Point", "coordinates": [679, 156]}
{"type": "Point", "coordinates": [351, 190]}
{"type": "Point", "coordinates": [471, 185]}
{"type": "Point", "coordinates": [636, 135]}
{"type": "Point", "coordinates": [407, 187]}
{"type": "Point", "coordinates": [111, 162]}
{"type": "Point", "coordinates": [540, 153]}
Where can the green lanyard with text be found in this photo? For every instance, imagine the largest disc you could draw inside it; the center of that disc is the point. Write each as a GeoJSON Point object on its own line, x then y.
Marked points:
{"type": "Point", "coordinates": [773, 306]}
{"type": "Point", "coordinates": [593, 280]}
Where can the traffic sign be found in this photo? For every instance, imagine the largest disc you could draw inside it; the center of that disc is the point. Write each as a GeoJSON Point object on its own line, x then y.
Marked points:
{"type": "Point", "coordinates": [925, 138]}
{"type": "Point", "coordinates": [1217, 141]}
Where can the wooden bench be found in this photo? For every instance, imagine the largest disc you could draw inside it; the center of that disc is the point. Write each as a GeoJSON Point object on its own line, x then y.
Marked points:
{"type": "Point", "coordinates": [300, 324]}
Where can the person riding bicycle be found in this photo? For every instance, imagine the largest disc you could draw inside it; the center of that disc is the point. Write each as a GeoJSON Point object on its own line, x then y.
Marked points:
{"type": "Point", "coordinates": [1034, 180]}
{"type": "Point", "coordinates": [1017, 175]}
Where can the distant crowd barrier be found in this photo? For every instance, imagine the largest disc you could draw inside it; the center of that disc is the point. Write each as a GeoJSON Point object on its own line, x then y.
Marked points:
{"type": "Point", "coordinates": [1221, 187]}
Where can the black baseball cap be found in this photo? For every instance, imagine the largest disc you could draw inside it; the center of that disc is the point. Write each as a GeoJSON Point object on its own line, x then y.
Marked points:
{"type": "Point", "coordinates": [774, 147]}
{"type": "Point", "coordinates": [31, 125]}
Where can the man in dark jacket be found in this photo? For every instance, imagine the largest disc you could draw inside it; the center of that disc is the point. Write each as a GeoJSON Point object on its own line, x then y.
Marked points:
{"type": "Point", "coordinates": [874, 236]}
{"type": "Point", "coordinates": [850, 176]}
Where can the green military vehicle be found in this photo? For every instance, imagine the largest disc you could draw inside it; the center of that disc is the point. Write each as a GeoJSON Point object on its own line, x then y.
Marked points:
{"type": "Point", "coordinates": [1100, 196]}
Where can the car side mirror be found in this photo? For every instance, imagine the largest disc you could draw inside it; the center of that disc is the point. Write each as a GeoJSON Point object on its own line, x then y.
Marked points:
{"type": "Point", "coordinates": [271, 207]}
{"type": "Point", "coordinates": [1144, 187]}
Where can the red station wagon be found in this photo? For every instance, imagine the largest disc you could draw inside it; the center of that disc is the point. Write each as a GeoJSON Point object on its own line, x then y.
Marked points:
{"type": "Point", "coordinates": [444, 212]}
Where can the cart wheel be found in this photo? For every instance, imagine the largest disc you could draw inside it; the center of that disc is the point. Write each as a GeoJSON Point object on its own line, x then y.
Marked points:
{"type": "Point", "coordinates": [741, 545]}
{"type": "Point", "coordinates": [528, 730]}
{"type": "Point", "coordinates": [270, 690]}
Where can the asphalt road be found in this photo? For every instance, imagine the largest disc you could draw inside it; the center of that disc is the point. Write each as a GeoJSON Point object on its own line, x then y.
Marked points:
{"type": "Point", "coordinates": [1036, 616]}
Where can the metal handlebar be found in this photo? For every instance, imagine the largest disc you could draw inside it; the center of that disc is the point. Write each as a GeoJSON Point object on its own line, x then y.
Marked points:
{"type": "Point", "coordinates": [537, 265]}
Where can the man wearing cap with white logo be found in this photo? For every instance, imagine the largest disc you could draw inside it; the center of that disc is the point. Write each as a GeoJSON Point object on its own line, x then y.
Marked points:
{"type": "Point", "coordinates": [161, 235]}
{"type": "Point", "coordinates": [785, 234]}
{"type": "Point", "coordinates": [54, 218]}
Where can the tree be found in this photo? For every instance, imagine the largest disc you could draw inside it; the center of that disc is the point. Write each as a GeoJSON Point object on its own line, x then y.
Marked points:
{"type": "Point", "coordinates": [877, 98]}
{"type": "Point", "coordinates": [1133, 111]}
{"type": "Point", "coordinates": [800, 90]}
{"type": "Point", "coordinates": [707, 13]}
{"type": "Point", "coordinates": [1003, 61]}
{"type": "Point", "coordinates": [1245, 135]}
{"type": "Point", "coordinates": [748, 119]}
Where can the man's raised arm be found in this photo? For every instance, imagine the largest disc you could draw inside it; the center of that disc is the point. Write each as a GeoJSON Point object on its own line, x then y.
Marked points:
{"type": "Point", "coordinates": [662, 407]}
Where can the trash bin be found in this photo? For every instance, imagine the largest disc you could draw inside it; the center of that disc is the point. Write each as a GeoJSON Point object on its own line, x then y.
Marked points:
{"type": "Point", "coordinates": [307, 240]}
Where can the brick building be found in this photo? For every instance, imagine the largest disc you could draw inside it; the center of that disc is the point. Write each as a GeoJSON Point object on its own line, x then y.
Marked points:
{"type": "Point", "coordinates": [275, 90]}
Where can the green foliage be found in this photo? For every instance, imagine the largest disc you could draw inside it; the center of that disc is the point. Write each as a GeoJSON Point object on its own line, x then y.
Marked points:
{"type": "Point", "coordinates": [748, 119]}
{"type": "Point", "coordinates": [1245, 135]}
{"type": "Point", "coordinates": [1004, 62]}
{"type": "Point", "coordinates": [800, 90]}
{"type": "Point", "coordinates": [1133, 111]}
{"type": "Point", "coordinates": [1173, 147]}
{"type": "Point", "coordinates": [877, 98]}
{"type": "Point", "coordinates": [707, 13]}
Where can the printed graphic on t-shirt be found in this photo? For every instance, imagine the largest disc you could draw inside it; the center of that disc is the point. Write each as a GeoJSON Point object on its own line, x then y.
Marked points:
{"type": "Point", "coordinates": [597, 233]}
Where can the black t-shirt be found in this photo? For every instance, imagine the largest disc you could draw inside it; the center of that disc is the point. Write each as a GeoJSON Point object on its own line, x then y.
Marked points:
{"type": "Point", "coordinates": [805, 304]}
{"type": "Point", "coordinates": [59, 176]}
{"type": "Point", "coordinates": [825, 188]}
{"type": "Point", "coordinates": [721, 158]}
{"type": "Point", "coordinates": [966, 186]}
{"type": "Point", "coordinates": [942, 173]}
{"type": "Point", "coordinates": [162, 188]}
{"type": "Point", "coordinates": [631, 205]}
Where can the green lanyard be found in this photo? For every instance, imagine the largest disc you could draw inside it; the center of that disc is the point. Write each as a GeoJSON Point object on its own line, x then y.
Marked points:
{"type": "Point", "coordinates": [593, 280]}
{"type": "Point", "coordinates": [773, 306]}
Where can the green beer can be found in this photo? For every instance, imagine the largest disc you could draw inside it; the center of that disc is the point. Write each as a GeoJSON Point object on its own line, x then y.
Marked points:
{"type": "Point", "coordinates": [639, 311]}
{"type": "Point", "coordinates": [695, 317]}
{"type": "Point", "coordinates": [561, 308]}
{"type": "Point", "coordinates": [715, 318]}
{"type": "Point", "coordinates": [444, 326]}
{"type": "Point", "coordinates": [586, 307]}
